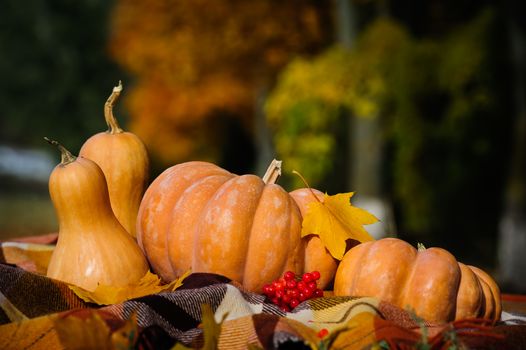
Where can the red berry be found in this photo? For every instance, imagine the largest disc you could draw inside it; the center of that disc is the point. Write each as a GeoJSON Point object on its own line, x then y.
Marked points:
{"type": "Point", "coordinates": [294, 293]}
{"type": "Point", "coordinates": [307, 277]}
{"type": "Point", "coordinates": [285, 308]}
{"type": "Point", "coordinates": [301, 285]}
{"type": "Point", "coordinates": [275, 301]}
{"type": "Point", "coordinates": [302, 296]}
{"type": "Point", "coordinates": [280, 293]}
{"type": "Point", "coordinates": [316, 275]}
{"type": "Point", "coordinates": [318, 293]}
{"type": "Point", "coordinates": [323, 332]}
{"type": "Point", "coordinates": [286, 298]}
{"type": "Point", "coordinates": [291, 284]}
{"type": "Point", "coordinates": [293, 303]}
{"type": "Point", "coordinates": [278, 285]}
{"type": "Point", "coordinates": [270, 290]}
{"type": "Point", "coordinates": [289, 276]}
{"type": "Point", "coordinates": [312, 285]}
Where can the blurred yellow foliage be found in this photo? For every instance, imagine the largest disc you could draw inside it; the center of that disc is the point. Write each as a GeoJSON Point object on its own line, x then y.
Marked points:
{"type": "Point", "coordinates": [193, 60]}
{"type": "Point", "coordinates": [304, 110]}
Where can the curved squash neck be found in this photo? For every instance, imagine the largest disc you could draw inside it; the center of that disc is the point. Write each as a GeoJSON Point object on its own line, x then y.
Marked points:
{"type": "Point", "coordinates": [80, 195]}
{"type": "Point", "coordinates": [89, 213]}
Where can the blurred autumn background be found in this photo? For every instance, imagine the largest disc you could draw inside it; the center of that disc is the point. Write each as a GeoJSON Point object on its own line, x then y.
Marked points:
{"type": "Point", "coordinates": [419, 107]}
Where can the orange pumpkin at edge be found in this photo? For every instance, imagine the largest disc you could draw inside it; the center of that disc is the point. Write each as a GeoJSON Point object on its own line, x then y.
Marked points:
{"type": "Point", "coordinates": [429, 281]}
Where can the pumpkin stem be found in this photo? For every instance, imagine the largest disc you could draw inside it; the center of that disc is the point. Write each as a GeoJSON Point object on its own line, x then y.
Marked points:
{"type": "Point", "coordinates": [66, 156]}
{"type": "Point", "coordinates": [113, 126]}
{"type": "Point", "coordinates": [421, 247]}
{"type": "Point", "coordinates": [273, 172]}
{"type": "Point", "coordinates": [306, 184]}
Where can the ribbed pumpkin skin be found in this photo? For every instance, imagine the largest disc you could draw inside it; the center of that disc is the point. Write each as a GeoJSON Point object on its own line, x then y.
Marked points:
{"type": "Point", "coordinates": [93, 247]}
{"type": "Point", "coordinates": [124, 160]}
{"type": "Point", "coordinates": [155, 212]}
{"type": "Point", "coordinates": [492, 305]}
{"type": "Point", "coordinates": [317, 257]}
{"type": "Point", "coordinates": [430, 281]}
{"type": "Point", "coordinates": [198, 216]}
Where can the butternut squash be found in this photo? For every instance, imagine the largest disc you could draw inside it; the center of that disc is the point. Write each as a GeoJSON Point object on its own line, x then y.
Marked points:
{"type": "Point", "coordinates": [93, 247]}
{"type": "Point", "coordinates": [123, 158]}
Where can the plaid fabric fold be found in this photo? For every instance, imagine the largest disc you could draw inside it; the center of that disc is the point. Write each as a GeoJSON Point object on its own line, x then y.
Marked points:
{"type": "Point", "coordinates": [40, 313]}
{"type": "Point", "coordinates": [30, 253]}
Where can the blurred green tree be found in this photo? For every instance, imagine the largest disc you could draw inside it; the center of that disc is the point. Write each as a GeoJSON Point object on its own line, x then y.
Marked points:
{"type": "Point", "coordinates": [56, 74]}
{"type": "Point", "coordinates": [305, 109]}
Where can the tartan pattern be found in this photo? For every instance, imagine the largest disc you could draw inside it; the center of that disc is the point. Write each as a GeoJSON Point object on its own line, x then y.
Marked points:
{"type": "Point", "coordinates": [31, 304]}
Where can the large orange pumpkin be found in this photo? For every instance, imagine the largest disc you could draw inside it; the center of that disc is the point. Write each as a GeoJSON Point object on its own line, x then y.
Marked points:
{"type": "Point", "coordinates": [198, 216]}
{"type": "Point", "coordinates": [429, 281]}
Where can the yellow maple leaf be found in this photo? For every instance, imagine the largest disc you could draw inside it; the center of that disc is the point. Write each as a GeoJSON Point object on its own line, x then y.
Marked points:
{"type": "Point", "coordinates": [335, 220]}
{"type": "Point", "coordinates": [148, 284]}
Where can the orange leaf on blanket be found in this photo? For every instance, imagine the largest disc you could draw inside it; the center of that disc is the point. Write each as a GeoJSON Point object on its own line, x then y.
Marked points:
{"type": "Point", "coordinates": [89, 331]}
{"type": "Point", "coordinates": [335, 220]}
{"type": "Point", "coordinates": [149, 284]}
{"type": "Point", "coordinates": [92, 332]}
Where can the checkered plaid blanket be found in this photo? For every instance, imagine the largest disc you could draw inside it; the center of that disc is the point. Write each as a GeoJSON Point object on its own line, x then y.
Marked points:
{"type": "Point", "coordinates": [40, 313]}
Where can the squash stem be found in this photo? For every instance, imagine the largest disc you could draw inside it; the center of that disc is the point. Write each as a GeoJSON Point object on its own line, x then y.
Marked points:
{"type": "Point", "coordinates": [65, 156]}
{"type": "Point", "coordinates": [113, 126]}
{"type": "Point", "coordinates": [273, 172]}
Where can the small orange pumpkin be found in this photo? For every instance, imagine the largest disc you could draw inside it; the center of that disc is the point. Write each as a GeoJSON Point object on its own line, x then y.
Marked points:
{"type": "Point", "coordinates": [429, 281]}
{"type": "Point", "coordinates": [198, 216]}
{"type": "Point", "coordinates": [317, 257]}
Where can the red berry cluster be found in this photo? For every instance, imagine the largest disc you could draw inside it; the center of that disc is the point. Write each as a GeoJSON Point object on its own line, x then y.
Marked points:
{"type": "Point", "coordinates": [290, 290]}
